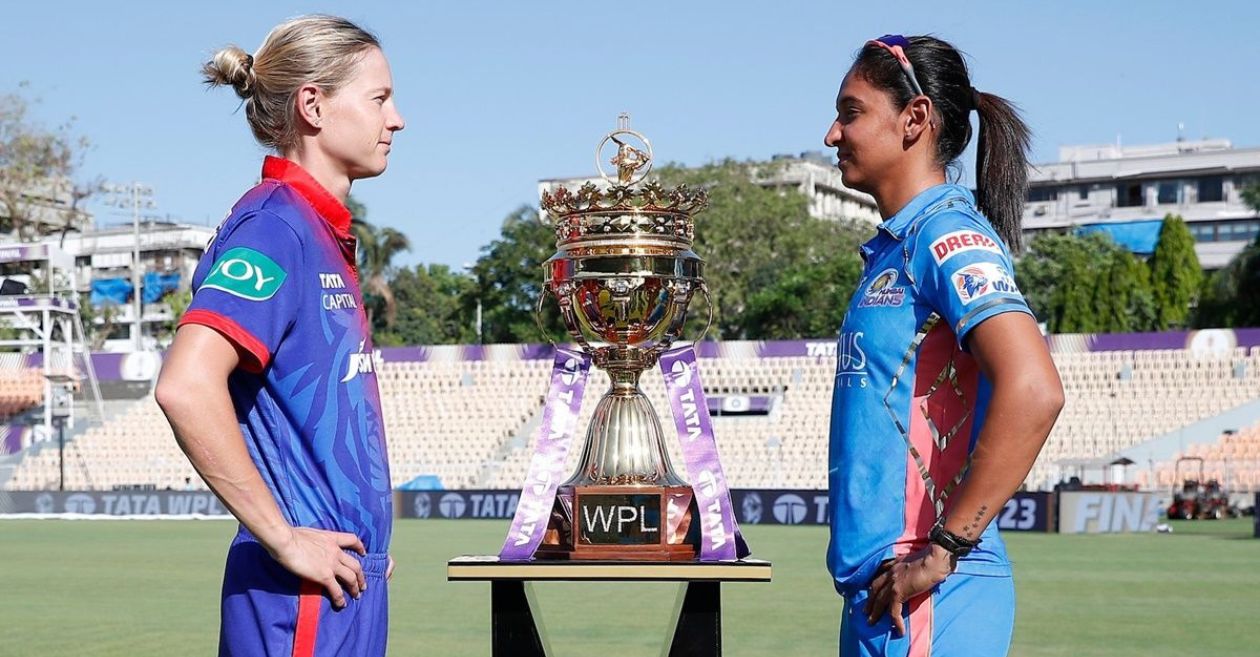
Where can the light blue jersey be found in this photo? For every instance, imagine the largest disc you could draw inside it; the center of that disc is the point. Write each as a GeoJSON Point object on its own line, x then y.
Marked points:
{"type": "Point", "coordinates": [909, 400]}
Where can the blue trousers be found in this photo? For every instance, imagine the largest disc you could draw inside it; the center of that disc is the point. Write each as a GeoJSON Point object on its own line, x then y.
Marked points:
{"type": "Point", "coordinates": [269, 612]}
{"type": "Point", "coordinates": [966, 615]}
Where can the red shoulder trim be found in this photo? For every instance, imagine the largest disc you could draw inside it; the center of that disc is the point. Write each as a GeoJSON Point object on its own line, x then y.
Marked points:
{"type": "Point", "coordinates": [254, 355]}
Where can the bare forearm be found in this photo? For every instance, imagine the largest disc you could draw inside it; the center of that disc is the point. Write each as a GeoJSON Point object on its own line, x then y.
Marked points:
{"type": "Point", "coordinates": [206, 429]}
{"type": "Point", "coordinates": [1018, 422]}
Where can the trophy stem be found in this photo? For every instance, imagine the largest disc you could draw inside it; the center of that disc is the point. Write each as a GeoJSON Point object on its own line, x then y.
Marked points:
{"type": "Point", "coordinates": [624, 445]}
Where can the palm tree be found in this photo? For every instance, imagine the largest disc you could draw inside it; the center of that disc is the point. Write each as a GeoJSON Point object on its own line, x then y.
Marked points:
{"type": "Point", "coordinates": [377, 248]}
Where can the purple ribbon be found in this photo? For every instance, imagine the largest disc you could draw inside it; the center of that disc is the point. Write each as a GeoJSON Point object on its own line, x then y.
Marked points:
{"type": "Point", "coordinates": [720, 538]}
{"type": "Point", "coordinates": [546, 469]}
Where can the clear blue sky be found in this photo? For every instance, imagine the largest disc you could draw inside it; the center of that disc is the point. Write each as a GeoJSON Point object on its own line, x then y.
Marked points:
{"type": "Point", "coordinates": [498, 95]}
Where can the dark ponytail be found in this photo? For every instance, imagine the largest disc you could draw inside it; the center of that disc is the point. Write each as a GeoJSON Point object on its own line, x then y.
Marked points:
{"type": "Point", "coordinates": [1002, 151]}
{"type": "Point", "coordinates": [1002, 166]}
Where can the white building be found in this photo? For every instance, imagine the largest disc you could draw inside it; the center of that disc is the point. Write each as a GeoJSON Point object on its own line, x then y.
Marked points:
{"type": "Point", "coordinates": [812, 173]}
{"type": "Point", "coordinates": [169, 253]}
{"type": "Point", "coordinates": [1127, 190]}
{"type": "Point", "coordinates": [47, 208]}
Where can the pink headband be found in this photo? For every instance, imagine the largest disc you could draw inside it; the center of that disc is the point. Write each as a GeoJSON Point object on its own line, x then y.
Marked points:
{"type": "Point", "coordinates": [895, 44]}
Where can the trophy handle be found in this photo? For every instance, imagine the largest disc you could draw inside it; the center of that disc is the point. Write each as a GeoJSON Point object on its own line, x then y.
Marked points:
{"type": "Point", "coordinates": [569, 320]}
{"type": "Point", "coordinates": [676, 330]}
{"type": "Point", "coordinates": [708, 302]}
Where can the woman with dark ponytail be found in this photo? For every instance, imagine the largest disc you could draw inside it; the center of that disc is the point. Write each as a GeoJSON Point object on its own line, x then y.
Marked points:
{"type": "Point", "coordinates": [945, 391]}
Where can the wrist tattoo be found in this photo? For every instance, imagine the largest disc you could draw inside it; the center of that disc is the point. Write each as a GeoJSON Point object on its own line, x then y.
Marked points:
{"type": "Point", "coordinates": [972, 528]}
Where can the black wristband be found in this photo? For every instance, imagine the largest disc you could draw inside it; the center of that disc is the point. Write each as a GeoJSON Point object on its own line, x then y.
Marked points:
{"type": "Point", "coordinates": [953, 543]}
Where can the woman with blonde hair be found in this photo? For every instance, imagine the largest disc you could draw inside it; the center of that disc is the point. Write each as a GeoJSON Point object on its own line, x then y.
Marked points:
{"type": "Point", "coordinates": [270, 385]}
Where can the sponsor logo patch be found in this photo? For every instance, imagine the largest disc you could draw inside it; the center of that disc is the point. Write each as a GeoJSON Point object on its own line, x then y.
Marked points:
{"type": "Point", "coordinates": [961, 241]}
{"type": "Point", "coordinates": [246, 273]}
{"type": "Point", "coordinates": [882, 293]}
{"type": "Point", "coordinates": [790, 509]}
{"type": "Point", "coordinates": [851, 361]}
{"type": "Point", "coordinates": [362, 362]}
{"type": "Point", "coordinates": [982, 279]}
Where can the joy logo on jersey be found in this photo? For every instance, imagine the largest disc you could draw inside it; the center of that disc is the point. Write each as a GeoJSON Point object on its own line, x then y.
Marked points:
{"type": "Point", "coordinates": [883, 293]}
{"type": "Point", "coordinates": [961, 241]}
{"type": "Point", "coordinates": [247, 274]}
{"type": "Point", "coordinates": [981, 280]}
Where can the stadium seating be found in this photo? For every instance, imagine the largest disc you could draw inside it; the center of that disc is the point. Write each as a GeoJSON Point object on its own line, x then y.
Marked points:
{"type": "Point", "coordinates": [1117, 399]}
{"type": "Point", "coordinates": [20, 389]}
{"type": "Point", "coordinates": [1233, 460]}
{"type": "Point", "coordinates": [473, 423]}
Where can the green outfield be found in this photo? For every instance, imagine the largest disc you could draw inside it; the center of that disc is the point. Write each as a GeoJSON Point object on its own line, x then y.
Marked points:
{"type": "Point", "coordinates": [139, 588]}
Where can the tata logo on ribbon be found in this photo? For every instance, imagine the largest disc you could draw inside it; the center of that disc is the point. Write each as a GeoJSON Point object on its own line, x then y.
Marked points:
{"type": "Point", "coordinates": [247, 274]}
{"type": "Point", "coordinates": [682, 374]}
{"type": "Point", "coordinates": [570, 374]}
{"type": "Point", "coordinates": [961, 241]}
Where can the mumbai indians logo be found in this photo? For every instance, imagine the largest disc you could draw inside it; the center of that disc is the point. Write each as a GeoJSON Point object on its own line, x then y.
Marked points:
{"type": "Point", "coordinates": [982, 279]}
{"type": "Point", "coordinates": [882, 292]}
{"type": "Point", "coordinates": [362, 362]}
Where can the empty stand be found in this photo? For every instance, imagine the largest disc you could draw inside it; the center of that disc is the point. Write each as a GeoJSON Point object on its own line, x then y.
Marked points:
{"type": "Point", "coordinates": [473, 423]}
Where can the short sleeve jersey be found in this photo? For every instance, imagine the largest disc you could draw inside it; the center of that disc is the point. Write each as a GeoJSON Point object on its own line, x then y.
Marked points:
{"type": "Point", "coordinates": [909, 400]}
{"type": "Point", "coordinates": [279, 281]}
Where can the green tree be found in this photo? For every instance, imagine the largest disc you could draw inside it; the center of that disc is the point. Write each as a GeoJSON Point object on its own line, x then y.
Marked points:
{"type": "Point", "coordinates": [1175, 274]}
{"type": "Point", "coordinates": [378, 246]}
{"type": "Point", "coordinates": [509, 280]}
{"type": "Point", "coordinates": [1086, 284]}
{"type": "Point", "coordinates": [430, 307]}
{"type": "Point", "coordinates": [1251, 196]}
{"type": "Point", "coordinates": [1231, 296]}
{"type": "Point", "coordinates": [753, 236]}
{"type": "Point", "coordinates": [807, 301]}
{"type": "Point", "coordinates": [37, 168]}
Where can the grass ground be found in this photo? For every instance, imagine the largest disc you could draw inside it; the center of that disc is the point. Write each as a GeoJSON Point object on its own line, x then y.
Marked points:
{"type": "Point", "coordinates": [140, 588]}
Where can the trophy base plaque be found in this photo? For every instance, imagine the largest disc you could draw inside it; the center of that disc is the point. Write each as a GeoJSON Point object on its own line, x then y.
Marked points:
{"type": "Point", "coordinates": [631, 523]}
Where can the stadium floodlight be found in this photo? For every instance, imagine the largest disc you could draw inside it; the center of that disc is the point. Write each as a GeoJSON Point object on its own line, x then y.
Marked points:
{"type": "Point", "coordinates": [135, 196]}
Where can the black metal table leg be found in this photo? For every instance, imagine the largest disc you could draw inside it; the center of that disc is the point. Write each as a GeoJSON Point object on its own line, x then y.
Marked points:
{"type": "Point", "coordinates": [699, 629]}
{"type": "Point", "coordinates": [513, 631]}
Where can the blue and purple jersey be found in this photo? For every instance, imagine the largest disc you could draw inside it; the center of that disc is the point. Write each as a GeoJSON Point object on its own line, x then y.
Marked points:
{"type": "Point", "coordinates": [279, 281]}
{"type": "Point", "coordinates": [909, 400]}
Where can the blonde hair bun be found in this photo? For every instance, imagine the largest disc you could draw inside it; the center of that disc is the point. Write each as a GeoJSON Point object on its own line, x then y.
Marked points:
{"type": "Point", "coordinates": [233, 67]}
{"type": "Point", "coordinates": [318, 50]}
